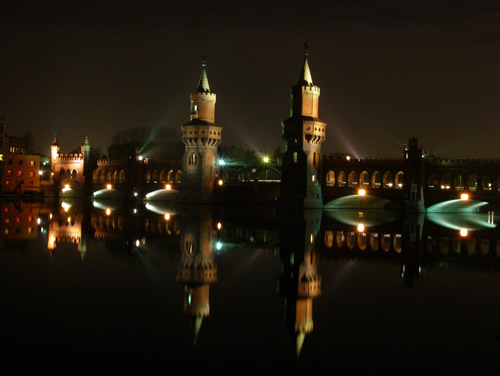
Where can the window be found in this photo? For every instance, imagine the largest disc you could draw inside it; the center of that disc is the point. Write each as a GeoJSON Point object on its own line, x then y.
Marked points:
{"type": "Point", "coordinates": [19, 173]}
{"type": "Point", "coordinates": [20, 162]}
{"type": "Point", "coordinates": [7, 182]}
{"type": "Point", "coordinates": [32, 174]}
{"type": "Point", "coordinates": [9, 173]}
{"type": "Point", "coordinates": [9, 161]}
{"type": "Point", "coordinates": [294, 157]}
{"type": "Point", "coordinates": [195, 107]}
{"type": "Point", "coordinates": [192, 159]}
{"type": "Point", "coordinates": [32, 163]}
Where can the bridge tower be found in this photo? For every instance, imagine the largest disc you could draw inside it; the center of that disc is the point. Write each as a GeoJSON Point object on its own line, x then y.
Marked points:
{"type": "Point", "coordinates": [303, 132]}
{"type": "Point", "coordinates": [201, 137]}
{"type": "Point", "coordinates": [414, 176]}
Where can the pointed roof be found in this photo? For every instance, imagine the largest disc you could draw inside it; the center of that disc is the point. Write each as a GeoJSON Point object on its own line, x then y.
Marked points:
{"type": "Point", "coordinates": [305, 78]}
{"type": "Point", "coordinates": [56, 141]}
{"type": "Point", "coordinates": [86, 141]}
{"type": "Point", "coordinates": [203, 86]}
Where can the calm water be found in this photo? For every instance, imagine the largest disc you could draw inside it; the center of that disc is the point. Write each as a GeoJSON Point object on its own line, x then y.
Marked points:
{"type": "Point", "coordinates": [238, 288]}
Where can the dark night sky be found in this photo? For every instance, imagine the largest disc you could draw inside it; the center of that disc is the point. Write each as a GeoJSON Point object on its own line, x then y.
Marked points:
{"type": "Point", "coordinates": [387, 70]}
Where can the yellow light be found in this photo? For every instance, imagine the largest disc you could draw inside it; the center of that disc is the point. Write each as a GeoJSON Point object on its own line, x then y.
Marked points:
{"type": "Point", "coordinates": [108, 211]}
{"type": "Point", "coordinates": [69, 219]}
{"type": "Point", "coordinates": [167, 216]}
{"type": "Point", "coordinates": [362, 192]}
{"type": "Point", "coordinates": [361, 227]}
{"type": "Point", "coordinates": [50, 216]}
{"type": "Point", "coordinates": [265, 159]}
{"type": "Point", "coordinates": [168, 187]}
{"type": "Point", "coordinates": [66, 208]}
{"type": "Point", "coordinates": [66, 186]}
{"type": "Point", "coordinates": [348, 157]}
{"type": "Point", "coordinates": [219, 226]}
{"type": "Point", "coordinates": [220, 182]}
{"type": "Point", "coordinates": [108, 186]}
{"type": "Point", "coordinates": [463, 232]}
{"type": "Point", "coordinates": [464, 196]}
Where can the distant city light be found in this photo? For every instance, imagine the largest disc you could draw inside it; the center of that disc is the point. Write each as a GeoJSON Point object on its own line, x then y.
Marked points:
{"type": "Point", "coordinates": [137, 243]}
{"type": "Point", "coordinates": [69, 219]}
{"type": "Point", "coordinates": [265, 159]}
{"type": "Point", "coordinates": [220, 182]}
{"type": "Point", "coordinates": [38, 220]}
{"type": "Point", "coordinates": [222, 162]}
{"type": "Point", "coordinates": [40, 172]}
{"type": "Point", "coordinates": [218, 246]}
{"type": "Point", "coordinates": [219, 226]}
{"type": "Point", "coordinates": [348, 157]}
{"type": "Point", "coordinates": [362, 192]}
{"type": "Point", "coordinates": [464, 196]}
{"type": "Point", "coordinates": [140, 157]}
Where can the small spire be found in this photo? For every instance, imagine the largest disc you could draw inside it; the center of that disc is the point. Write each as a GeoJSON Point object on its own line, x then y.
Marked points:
{"type": "Point", "coordinates": [203, 85]}
{"type": "Point", "coordinates": [56, 141]}
{"type": "Point", "coordinates": [305, 78]}
{"type": "Point", "coordinates": [86, 140]}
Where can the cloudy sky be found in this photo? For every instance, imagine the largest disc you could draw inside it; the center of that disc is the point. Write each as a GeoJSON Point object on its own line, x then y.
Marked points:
{"type": "Point", "coordinates": [387, 70]}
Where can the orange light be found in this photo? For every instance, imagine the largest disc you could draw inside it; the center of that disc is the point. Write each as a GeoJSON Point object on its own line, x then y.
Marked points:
{"type": "Point", "coordinates": [219, 226]}
{"type": "Point", "coordinates": [66, 186]}
{"type": "Point", "coordinates": [361, 227]}
{"type": "Point", "coordinates": [167, 216]}
{"type": "Point", "coordinates": [108, 211]}
{"type": "Point", "coordinates": [463, 232]}
{"type": "Point", "coordinates": [362, 192]}
{"type": "Point", "coordinates": [108, 186]}
{"type": "Point", "coordinates": [220, 182]}
{"type": "Point", "coordinates": [168, 187]}
{"type": "Point", "coordinates": [464, 196]}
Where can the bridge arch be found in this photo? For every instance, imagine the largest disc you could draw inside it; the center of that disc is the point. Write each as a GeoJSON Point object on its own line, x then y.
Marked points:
{"type": "Point", "coordinates": [364, 179]}
{"type": "Point", "coordinates": [398, 180]}
{"type": "Point", "coordinates": [388, 180]}
{"type": "Point", "coordinates": [155, 176]}
{"type": "Point", "coordinates": [330, 178]}
{"type": "Point", "coordinates": [458, 181]}
{"type": "Point", "coordinates": [376, 180]}
{"type": "Point", "coordinates": [473, 182]}
{"type": "Point", "coordinates": [147, 176]}
{"type": "Point", "coordinates": [178, 176]}
{"type": "Point", "coordinates": [487, 182]}
{"type": "Point", "coordinates": [342, 179]}
{"type": "Point", "coordinates": [374, 241]}
{"type": "Point", "coordinates": [121, 177]}
{"type": "Point", "coordinates": [433, 180]}
{"type": "Point", "coordinates": [352, 179]}
{"type": "Point", "coordinates": [163, 177]}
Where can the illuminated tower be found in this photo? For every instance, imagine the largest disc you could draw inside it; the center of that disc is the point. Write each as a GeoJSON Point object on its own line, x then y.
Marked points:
{"type": "Point", "coordinates": [303, 132]}
{"type": "Point", "coordinates": [201, 136]}
{"type": "Point", "coordinates": [54, 150]}
{"type": "Point", "coordinates": [197, 269]}
{"type": "Point", "coordinates": [300, 282]}
{"type": "Point", "coordinates": [414, 176]}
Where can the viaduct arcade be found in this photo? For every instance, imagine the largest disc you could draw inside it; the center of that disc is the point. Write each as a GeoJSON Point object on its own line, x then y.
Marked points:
{"type": "Point", "coordinates": [304, 178]}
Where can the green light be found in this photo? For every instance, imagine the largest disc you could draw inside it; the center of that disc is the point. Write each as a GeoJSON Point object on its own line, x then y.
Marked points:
{"type": "Point", "coordinates": [218, 246]}
{"type": "Point", "coordinates": [222, 162]}
{"type": "Point", "coordinates": [265, 159]}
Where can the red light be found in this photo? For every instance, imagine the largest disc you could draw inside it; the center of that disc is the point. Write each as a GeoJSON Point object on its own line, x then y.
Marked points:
{"type": "Point", "coordinates": [7, 182]}
{"type": "Point", "coordinates": [6, 210]}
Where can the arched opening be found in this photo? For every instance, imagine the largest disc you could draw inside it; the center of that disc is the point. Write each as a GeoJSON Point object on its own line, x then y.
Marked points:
{"type": "Point", "coordinates": [342, 179]}
{"type": "Point", "coordinates": [386, 242]}
{"type": "Point", "coordinates": [364, 179]}
{"type": "Point", "coordinates": [115, 176]}
{"type": "Point", "coordinates": [315, 159]}
{"type": "Point", "coordinates": [109, 176]}
{"type": "Point", "coordinates": [102, 176]}
{"type": "Point", "coordinates": [339, 239]}
{"type": "Point", "coordinates": [121, 177]}
{"type": "Point", "coordinates": [352, 180]}
{"type": "Point", "coordinates": [74, 174]}
{"type": "Point", "coordinates": [374, 241]}
{"type": "Point", "coordinates": [388, 180]}
{"type": "Point", "coordinates": [178, 176]}
{"type": "Point", "coordinates": [376, 180]}
{"type": "Point", "coordinates": [193, 159]}
{"type": "Point", "coordinates": [351, 239]}
{"type": "Point", "coordinates": [328, 239]}
{"type": "Point", "coordinates": [330, 179]}
{"type": "Point", "coordinates": [446, 180]}
{"type": "Point", "coordinates": [487, 182]}
{"type": "Point", "coordinates": [163, 176]}
{"type": "Point", "coordinates": [95, 176]}
{"type": "Point", "coordinates": [433, 180]}
{"type": "Point", "coordinates": [68, 174]}
{"type": "Point", "coordinates": [396, 242]}
{"type": "Point", "coordinates": [458, 182]}
{"type": "Point", "coordinates": [62, 173]}
{"type": "Point", "coordinates": [362, 241]}
{"type": "Point", "coordinates": [399, 180]}
{"type": "Point", "coordinates": [155, 176]}
{"type": "Point", "coordinates": [170, 176]}
{"type": "Point", "coordinates": [147, 176]}
{"type": "Point", "coordinates": [472, 182]}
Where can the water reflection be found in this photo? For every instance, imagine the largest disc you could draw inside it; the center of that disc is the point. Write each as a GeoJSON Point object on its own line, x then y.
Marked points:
{"type": "Point", "coordinates": [195, 237]}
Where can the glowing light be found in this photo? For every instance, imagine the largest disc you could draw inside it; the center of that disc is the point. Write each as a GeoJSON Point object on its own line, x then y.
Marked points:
{"type": "Point", "coordinates": [168, 187]}
{"type": "Point", "coordinates": [463, 232]}
{"type": "Point", "coordinates": [108, 211]}
{"type": "Point", "coordinates": [464, 196]}
{"type": "Point", "coordinates": [66, 186]}
{"type": "Point", "coordinates": [220, 182]}
{"type": "Point", "coordinates": [38, 220]}
{"type": "Point", "coordinates": [362, 192]}
{"type": "Point", "coordinates": [65, 206]}
{"type": "Point", "coordinates": [167, 216]}
{"type": "Point", "coordinates": [50, 216]}
{"type": "Point", "coordinates": [135, 211]}
{"type": "Point", "coordinates": [265, 159]}
{"type": "Point", "coordinates": [348, 157]}
{"type": "Point", "coordinates": [219, 226]}
{"type": "Point", "coordinates": [140, 157]}
{"type": "Point", "coordinates": [40, 172]}
{"type": "Point", "coordinates": [361, 227]}
{"type": "Point", "coordinates": [108, 187]}
{"type": "Point", "coordinates": [218, 246]}
{"type": "Point", "coordinates": [69, 219]}
{"type": "Point", "coordinates": [135, 194]}
{"type": "Point", "coordinates": [222, 162]}
{"type": "Point", "coordinates": [137, 243]}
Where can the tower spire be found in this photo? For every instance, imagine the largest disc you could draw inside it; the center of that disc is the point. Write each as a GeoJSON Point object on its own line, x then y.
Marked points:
{"type": "Point", "coordinates": [203, 86]}
{"type": "Point", "coordinates": [305, 78]}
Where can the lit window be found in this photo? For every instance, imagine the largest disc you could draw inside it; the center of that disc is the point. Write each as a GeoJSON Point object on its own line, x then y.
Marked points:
{"type": "Point", "coordinates": [7, 182]}
{"type": "Point", "coordinates": [294, 157]}
{"type": "Point", "coordinates": [32, 174]}
{"type": "Point", "coordinates": [18, 219]}
{"type": "Point", "coordinates": [7, 220]}
{"type": "Point", "coordinates": [30, 230]}
{"type": "Point", "coordinates": [19, 173]}
{"type": "Point", "coordinates": [6, 231]}
{"type": "Point", "coordinates": [195, 107]}
{"type": "Point", "coordinates": [32, 163]}
{"type": "Point", "coordinates": [9, 173]}
{"type": "Point", "coordinates": [30, 218]}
